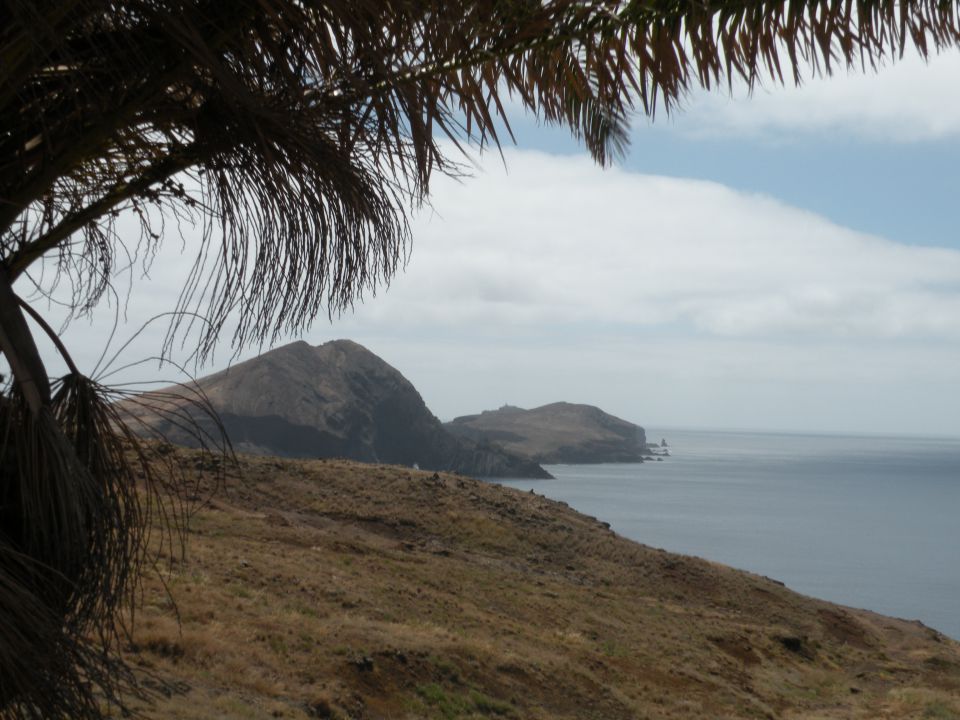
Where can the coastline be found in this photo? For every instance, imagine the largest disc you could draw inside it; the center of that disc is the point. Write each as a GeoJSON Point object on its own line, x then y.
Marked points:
{"type": "Point", "coordinates": [808, 513]}
{"type": "Point", "coordinates": [342, 590]}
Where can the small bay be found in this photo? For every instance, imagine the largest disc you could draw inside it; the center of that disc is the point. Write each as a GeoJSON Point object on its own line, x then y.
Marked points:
{"type": "Point", "coordinates": [871, 522]}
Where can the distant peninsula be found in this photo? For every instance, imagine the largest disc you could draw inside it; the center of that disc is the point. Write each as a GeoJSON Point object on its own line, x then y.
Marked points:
{"type": "Point", "coordinates": [560, 432]}
{"type": "Point", "coordinates": [337, 399]}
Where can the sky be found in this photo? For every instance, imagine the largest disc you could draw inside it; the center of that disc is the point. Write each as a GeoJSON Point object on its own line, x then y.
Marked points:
{"type": "Point", "coordinates": [786, 261]}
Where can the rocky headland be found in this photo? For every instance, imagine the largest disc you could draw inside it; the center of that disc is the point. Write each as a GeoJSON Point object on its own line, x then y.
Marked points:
{"type": "Point", "coordinates": [560, 432]}
{"type": "Point", "coordinates": [333, 400]}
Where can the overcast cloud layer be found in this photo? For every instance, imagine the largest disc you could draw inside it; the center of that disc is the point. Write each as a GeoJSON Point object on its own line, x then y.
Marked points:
{"type": "Point", "coordinates": [559, 241]}
{"type": "Point", "coordinates": [669, 302]}
{"type": "Point", "coordinates": [906, 101]}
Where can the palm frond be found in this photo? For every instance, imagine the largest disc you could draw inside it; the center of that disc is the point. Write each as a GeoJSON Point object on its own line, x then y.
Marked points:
{"type": "Point", "coordinates": [47, 672]}
{"type": "Point", "coordinates": [300, 134]}
{"type": "Point", "coordinates": [80, 494]}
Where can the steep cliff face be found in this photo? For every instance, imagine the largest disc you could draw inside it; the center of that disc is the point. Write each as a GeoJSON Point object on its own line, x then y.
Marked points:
{"type": "Point", "coordinates": [556, 433]}
{"type": "Point", "coordinates": [340, 400]}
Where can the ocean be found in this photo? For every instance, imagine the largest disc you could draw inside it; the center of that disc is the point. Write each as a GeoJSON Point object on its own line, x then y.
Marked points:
{"type": "Point", "coordinates": [870, 522]}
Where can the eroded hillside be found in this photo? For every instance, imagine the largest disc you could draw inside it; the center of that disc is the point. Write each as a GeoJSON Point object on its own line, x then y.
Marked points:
{"type": "Point", "coordinates": [334, 589]}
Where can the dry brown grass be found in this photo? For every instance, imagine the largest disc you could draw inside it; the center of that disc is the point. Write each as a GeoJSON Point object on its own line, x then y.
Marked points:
{"type": "Point", "coordinates": [339, 590]}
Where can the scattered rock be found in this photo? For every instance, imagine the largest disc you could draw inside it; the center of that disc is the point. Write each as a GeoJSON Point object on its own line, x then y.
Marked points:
{"type": "Point", "coordinates": [363, 664]}
{"type": "Point", "coordinates": [321, 708]}
{"type": "Point", "coordinates": [797, 645]}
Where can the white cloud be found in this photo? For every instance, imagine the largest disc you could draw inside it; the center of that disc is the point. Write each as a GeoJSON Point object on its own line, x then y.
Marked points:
{"type": "Point", "coordinates": [559, 242]}
{"type": "Point", "coordinates": [904, 101]}
{"type": "Point", "coordinates": [669, 302]}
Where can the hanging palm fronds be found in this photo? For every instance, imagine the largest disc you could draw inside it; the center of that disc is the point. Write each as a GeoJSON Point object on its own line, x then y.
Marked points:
{"type": "Point", "coordinates": [80, 494]}
{"type": "Point", "coordinates": [298, 135]}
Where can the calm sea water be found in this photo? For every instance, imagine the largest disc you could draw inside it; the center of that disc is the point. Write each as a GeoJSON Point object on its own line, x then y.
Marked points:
{"type": "Point", "coordinates": [863, 521]}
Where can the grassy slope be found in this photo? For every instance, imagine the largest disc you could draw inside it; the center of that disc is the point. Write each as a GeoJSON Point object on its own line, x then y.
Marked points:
{"type": "Point", "coordinates": [335, 589]}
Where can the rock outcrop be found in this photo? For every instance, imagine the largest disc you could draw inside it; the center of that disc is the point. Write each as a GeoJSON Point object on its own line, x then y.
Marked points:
{"type": "Point", "coordinates": [556, 433]}
{"type": "Point", "coordinates": [340, 400]}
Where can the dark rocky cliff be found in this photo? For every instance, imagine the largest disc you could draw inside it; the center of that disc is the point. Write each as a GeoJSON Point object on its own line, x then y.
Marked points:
{"type": "Point", "coordinates": [556, 433]}
{"type": "Point", "coordinates": [340, 400]}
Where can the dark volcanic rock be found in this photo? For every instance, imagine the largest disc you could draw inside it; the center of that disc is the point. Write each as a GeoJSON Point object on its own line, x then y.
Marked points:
{"type": "Point", "coordinates": [340, 400]}
{"type": "Point", "coordinates": [557, 433]}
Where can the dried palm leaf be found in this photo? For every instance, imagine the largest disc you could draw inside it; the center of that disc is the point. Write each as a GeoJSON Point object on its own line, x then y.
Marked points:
{"type": "Point", "coordinates": [80, 494]}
